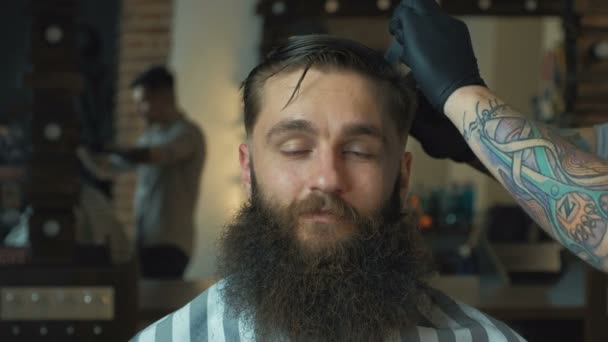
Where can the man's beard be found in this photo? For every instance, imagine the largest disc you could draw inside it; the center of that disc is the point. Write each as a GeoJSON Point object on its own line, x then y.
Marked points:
{"type": "Point", "coordinates": [363, 288]}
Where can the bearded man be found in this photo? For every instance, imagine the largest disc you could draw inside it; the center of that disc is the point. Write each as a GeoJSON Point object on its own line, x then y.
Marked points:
{"type": "Point", "coordinates": [324, 250]}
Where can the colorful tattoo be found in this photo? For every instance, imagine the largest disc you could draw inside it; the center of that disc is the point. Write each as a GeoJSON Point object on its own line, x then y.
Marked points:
{"type": "Point", "coordinates": [562, 187]}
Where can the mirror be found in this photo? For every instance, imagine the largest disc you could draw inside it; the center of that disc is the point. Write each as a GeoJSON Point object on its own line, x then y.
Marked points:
{"type": "Point", "coordinates": [94, 32]}
{"type": "Point", "coordinates": [528, 73]}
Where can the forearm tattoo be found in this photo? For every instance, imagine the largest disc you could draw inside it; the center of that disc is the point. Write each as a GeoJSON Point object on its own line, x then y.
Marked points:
{"type": "Point", "coordinates": [562, 187]}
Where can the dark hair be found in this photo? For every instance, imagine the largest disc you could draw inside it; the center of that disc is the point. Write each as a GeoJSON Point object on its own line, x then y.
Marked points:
{"type": "Point", "coordinates": [154, 78]}
{"type": "Point", "coordinates": [325, 51]}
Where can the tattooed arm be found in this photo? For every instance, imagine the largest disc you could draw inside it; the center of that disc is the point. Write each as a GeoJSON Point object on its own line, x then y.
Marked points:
{"type": "Point", "coordinates": [584, 138]}
{"type": "Point", "coordinates": [563, 187]}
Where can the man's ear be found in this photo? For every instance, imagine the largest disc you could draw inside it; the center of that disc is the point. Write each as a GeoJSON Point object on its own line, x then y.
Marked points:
{"type": "Point", "coordinates": [405, 171]}
{"type": "Point", "coordinates": [245, 161]}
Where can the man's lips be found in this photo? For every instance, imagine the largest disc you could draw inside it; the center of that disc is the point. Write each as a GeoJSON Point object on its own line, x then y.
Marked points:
{"type": "Point", "coordinates": [321, 217]}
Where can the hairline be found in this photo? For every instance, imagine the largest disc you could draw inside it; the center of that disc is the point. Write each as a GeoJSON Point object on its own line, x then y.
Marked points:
{"type": "Point", "coordinates": [283, 70]}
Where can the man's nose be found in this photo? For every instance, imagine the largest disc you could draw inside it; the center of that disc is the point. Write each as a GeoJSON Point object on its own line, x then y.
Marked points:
{"type": "Point", "coordinates": [329, 175]}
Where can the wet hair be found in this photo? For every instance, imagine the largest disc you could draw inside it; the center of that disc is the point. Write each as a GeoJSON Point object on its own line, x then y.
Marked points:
{"type": "Point", "coordinates": [331, 53]}
{"type": "Point", "coordinates": [154, 78]}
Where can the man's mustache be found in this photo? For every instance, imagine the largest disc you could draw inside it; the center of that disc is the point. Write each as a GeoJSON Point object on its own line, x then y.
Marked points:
{"type": "Point", "coordinates": [326, 204]}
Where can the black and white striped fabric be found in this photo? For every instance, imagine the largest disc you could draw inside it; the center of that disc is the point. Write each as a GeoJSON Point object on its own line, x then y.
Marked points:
{"type": "Point", "coordinates": [204, 319]}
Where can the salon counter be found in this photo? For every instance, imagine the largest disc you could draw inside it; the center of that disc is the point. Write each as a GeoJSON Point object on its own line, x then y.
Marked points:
{"type": "Point", "coordinates": [563, 299]}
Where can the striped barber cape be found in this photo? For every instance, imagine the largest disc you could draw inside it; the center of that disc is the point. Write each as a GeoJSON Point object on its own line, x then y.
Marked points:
{"type": "Point", "coordinates": [204, 319]}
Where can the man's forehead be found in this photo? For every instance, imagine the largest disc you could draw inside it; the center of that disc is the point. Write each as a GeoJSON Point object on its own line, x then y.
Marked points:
{"type": "Point", "coordinates": [345, 130]}
{"type": "Point", "coordinates": [289, 79]}
{"type": "Point", "coordinates": [299, 92]}
{"type": "Point", "coordinates": [361, 114]}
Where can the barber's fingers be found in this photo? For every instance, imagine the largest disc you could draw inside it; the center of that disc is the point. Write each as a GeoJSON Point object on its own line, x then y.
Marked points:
{"type": "Point", "coordinates": [395, 27]}
{"type": "Point", "coordinates": [403, 20]}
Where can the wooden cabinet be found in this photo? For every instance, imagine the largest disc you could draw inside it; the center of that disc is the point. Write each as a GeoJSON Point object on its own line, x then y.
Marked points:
{"type": "Point", "coordinates": [53, 184]}
{"type": "Point", "coordinates": [52, 234]}
{"type": "Point", "coordinates": [591, 101]}
{"type": "Point", "coordinates": [591, 6]}
{"type": "Point", "coordinates": [592, 67]}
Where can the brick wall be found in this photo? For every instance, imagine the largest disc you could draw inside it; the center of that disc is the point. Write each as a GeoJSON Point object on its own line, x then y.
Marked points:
{"type": "Point", "coordinates": [145, 39]}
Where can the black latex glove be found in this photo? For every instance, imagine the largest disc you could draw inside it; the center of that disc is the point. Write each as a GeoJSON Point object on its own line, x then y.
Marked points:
{"type": "Point", "coordinates": [437, 135]}
{"type": "Point", "coordinates": [436, 47]}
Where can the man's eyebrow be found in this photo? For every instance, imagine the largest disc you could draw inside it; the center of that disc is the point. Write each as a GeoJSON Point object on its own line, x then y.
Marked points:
{"type": "Point", "coordinates": [302, 126]}
{"type": "Point", "coordinates": [364, 129]}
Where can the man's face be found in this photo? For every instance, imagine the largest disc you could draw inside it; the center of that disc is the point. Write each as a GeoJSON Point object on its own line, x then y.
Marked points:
{"type": "Point", "coordinates": [149, 104]}
{"type": "Point", "coordinates": [323, 224]}
{"type": "Point", "coordinates": [333, 140]}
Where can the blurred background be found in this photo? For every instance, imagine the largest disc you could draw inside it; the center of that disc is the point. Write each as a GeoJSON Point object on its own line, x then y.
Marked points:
{"type": "Point", "coordinates": [64, 82]}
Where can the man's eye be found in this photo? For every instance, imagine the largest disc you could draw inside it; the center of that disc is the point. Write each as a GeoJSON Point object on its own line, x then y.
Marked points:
{"type": "Point", "coordinates": [295, 152]}
{"type": "Point", "coordinates": [295, 147]}
{"type": "Point", "coordinates": [359, 154]}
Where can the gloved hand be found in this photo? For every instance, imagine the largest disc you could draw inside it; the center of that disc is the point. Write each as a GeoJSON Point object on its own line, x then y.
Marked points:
{"type": "Point", "coordinates": [436, 47]}
{"type": "Point", "coordinates": [437, 135]}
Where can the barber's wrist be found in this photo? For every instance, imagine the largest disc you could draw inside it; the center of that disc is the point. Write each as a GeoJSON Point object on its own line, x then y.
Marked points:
{"type": "Point", "coordinates": [464, 99]}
